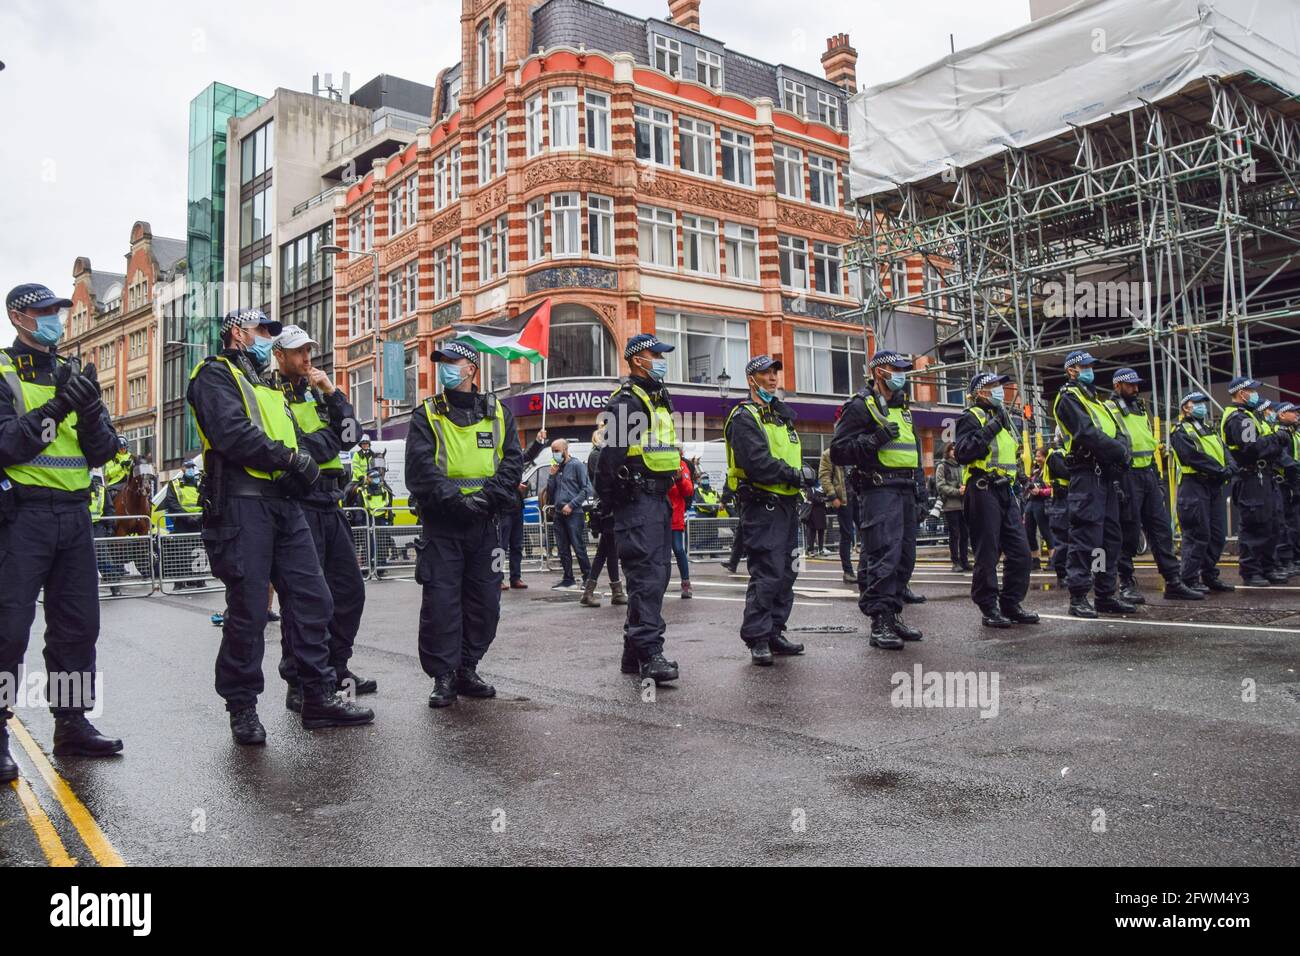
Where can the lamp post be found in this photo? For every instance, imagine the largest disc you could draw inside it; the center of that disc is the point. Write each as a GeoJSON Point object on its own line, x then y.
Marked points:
{"type": "Point", "coordinates": [331, 249]}
{"type": "Point", "coordinates": [724, 382]}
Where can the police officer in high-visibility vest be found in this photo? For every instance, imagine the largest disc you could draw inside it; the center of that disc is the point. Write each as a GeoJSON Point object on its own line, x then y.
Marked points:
{"type": "Point", "coordinates": [377, 500]}
{"type": "Point", "coordinates": [1057, 475]}
{"type": "Point", "coordinates": [1143, 509]}
{"type": "Point", "coordinates": [987, 451]}
{"type": "Point", "coordinates": [255, 473]}
{"type": "Point", "coordinates": [182, 499]}
{"type": "Point", "coordinates": [636, 468]}
{"type": "Point", "coordinates": [874, 435]}
{"type": "Point", "coordinates": [1288, 549]}
{"type": "Point", "coordinates": [463, 465]}
{"type": "Point", "coordinates": [1097, 454]}
{"type": "Point", "coordinates": [765, 467]}
{"type": "Point", "coordinates": [361, 459]}
{"type": "Point", "coordinates": [327, 426]}
{"type": "Point", "coordinates": [1263, 460]}
{"type": "Point", "coordinates": [53, 430]}
{"type": "Point", "coordinates": [1202, 515]}
{"type": "Point", "coordinates": [707, 501]}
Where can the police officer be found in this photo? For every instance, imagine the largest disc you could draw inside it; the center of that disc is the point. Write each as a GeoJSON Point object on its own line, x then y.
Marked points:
{"type": "Point", "coordinates": [1202, 515]}
{"type": "Point", "coordinates": [1263, 460]}
{"type": "Point", "coordinates": [707, 502]}
{"type": "Point", "coordinates": [53, 430]}
{"type": "Point", "coordinates": [635, 470]}
{"type": "Point", "coordinates": [1097, 453]}
{"type": "Point", "coordinates": [327, 425]}
{"type": "Point", "coordinates": [463, 465]}
{"type": "Point", "coordinates": [987, 450]}
{"type": "Point", "coordinates": [874, 434]}
{"type": "Point", "coordinates": [361, 459]}
{"type": "Point", "coordinates": [256, 471]}
{"type": "Point", "coordinates": [1057, 474]}
{"type": "Point", "coordinates": [377, 500]}
{"type": "Point", "coordinates": [1288, 550]}
{"type": "Point", "coordinates": [118, 468]}
{"type": "Point", "coordinates": [181, 503]}
{"type": "Point", "coordinates": [1143, 509]}
{"type": "Point", "coordinates": [765, 465]}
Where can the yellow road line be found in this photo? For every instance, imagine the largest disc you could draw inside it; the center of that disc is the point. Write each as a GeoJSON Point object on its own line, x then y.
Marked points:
{"type": "Point", "coordinates": [81, 818]}
{"type": "Point", "coordinates": [56, 854]}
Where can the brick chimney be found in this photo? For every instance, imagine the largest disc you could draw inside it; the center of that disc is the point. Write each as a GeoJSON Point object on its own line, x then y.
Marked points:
{"type": "Point", "coordinates": [840, 61]}
{"type": "Point", "coordinates": [685, 13]}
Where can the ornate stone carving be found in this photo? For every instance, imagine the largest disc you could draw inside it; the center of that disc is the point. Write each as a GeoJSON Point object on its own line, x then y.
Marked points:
{"type": "Point", "coordinates": [489, 199]}
{"type": "Point", "coordinates": [359, 269]}
{"type": "Point", "coordinates": [572, 277]}
{"type": "Point", "coordinates": [446, 222]}
{"type": "Point", "coordinates": [402, 246]}
{"type": "Point", "coordinates": [587, 170]}
{"type": "Point", "coordinates": [652, 183]}
{"type": "Point", "coordinates": [445, 316]}
{"type": "Point", "coordinates": [811, 221]}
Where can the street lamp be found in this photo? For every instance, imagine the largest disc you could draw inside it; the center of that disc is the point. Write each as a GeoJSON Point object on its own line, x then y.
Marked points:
{"type": "Point", "coordinates": [331, 249]}
{"type": "Point", "coordinates": [724, 382]}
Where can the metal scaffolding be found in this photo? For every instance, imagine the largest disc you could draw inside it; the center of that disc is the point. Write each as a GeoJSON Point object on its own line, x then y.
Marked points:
{"type": "Point", "coordinates": [1166, 238]}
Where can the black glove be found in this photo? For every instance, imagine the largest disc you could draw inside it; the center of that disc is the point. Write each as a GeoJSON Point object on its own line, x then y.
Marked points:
{"type": "Point", "coordinates": [808, 476]}
{"type": "Point", "coordinates": [300, 475]}
{"type": "Point", "coordinates": [477, 504]}
{"type": "Point", "coordinates": [892, 428]}
{"type": "Point", "coordinates": [57, 408]}
{"type": "Point", "coordinates": [80, 392]}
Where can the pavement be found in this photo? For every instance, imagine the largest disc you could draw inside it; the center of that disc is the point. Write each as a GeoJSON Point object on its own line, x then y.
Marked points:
{"type": "Point", "coordinates": [1170, 737]}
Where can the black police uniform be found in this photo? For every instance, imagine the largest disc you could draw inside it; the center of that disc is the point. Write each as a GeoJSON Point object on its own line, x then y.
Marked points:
{"type": "Point", "coordinates": [459, 566]}
{"type": "Point", "coordinates": [642, 522]}
{"type": "Point", "coordinates": [993, 512]}
{"type": "Point", "coordinates": [770, 521]}
{"type": "Point", "coordinates": [331, 532]}
{"type": "Point", "coordinates": [1057, 474]}
{"type": "Point", "coordinates": [1097, 464]}
{"type": "Point", "coordinates": [1288, 548]}
{"type": "Point", "coordinates": [256, 536]}
{"type": "Point", "coordinates": [887, 502]}
{"type": "Point", "coordinates": [45, 533]}
{"type": "Point", "coordinates": [1262, 458]}
{"type": "Point", "coordinates": [1144, 510]}
{"type": "Point", "coordinates": [182, 521]}
{"type": "Point", "coordinates": [1202, 511]}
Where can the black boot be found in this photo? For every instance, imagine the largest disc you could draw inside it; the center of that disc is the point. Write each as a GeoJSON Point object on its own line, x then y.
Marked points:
{"type": "Point", "coordinates": [1214, 584]}
{"type": "Point", "coordinates": [760, 652]}
{"type": "Point", "coordinates": [333, 710]}
{"type": "Point", "coordinates": [1176, 590]}
{"type": "Point", "coordinates": [659, 669]}
{"type": "Point", "coordinates": [293, 698]}
{"type": "Point", "coordinates": [785, 648]}
{"type": "Point", "coordinates": [1276, 577]}
{"type": "Point", "coordinates": [1016, 614]}
{"type": "Point", "coordinates": [883, 634]}
{"type": "Point", "coordinates": [909, 597]}
{"type": "Point", "coordinates": [1129, 592]}
{"type": "Point", "coordinates": [629, 664]}
{"type": "Point", "coordinates": [1114, 604]}
{"type": "Point", "coordinates": [246, 728]}
{"type": "Point", "coordinates": [906, 631]}
{"type": "Point", "coordinates": [1254, 581]}
{"type": "Point", "coordinates": [1080, 606]}
{"type": "Point", "coordinates": [994, 618]}
{"type": "Point", "coordinates": [1199, 588]}
{"type": "Point", "coordinates": [360, 685]}
{"type": "Point", "coordinates": [471, 685]}
{"type": "Point", "coordinates": [75, 736]}
{"type": "Point", "coordinates": [444, 691]}
{"type": "Point", "coordinates": [8, 769]}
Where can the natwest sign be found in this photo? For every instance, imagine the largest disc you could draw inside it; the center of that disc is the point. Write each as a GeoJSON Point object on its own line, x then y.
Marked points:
{"type": "Point", "coordinates": [565, 400]}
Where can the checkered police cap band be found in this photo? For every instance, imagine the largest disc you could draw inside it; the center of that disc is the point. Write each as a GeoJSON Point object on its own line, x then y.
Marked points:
{"type": "Point", "coordinates": [891, 359]}
{"type": "Point", "coordinates": [638, 344]}
{"type": "Point", "coordinates": [760, 363]}
{"type": "Point", "coordinates": [1078, 358]}
{"type": "Point", "coordinates": [242, 317]}
{"type": "Point", "coordinates": [28, 299]}
{"type": "Point", "coordinates": [1126, 376]}
{"type": "Point", "coordinates": [459, 350]}
{"type": "Point", "coordinates": [1193, 397]}
{"type": "Point", "coordinates": [985, 379]}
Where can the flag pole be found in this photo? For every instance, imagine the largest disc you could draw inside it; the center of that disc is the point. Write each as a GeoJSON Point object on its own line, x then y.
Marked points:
{"type": "Point", "coordinates": [546, 371]}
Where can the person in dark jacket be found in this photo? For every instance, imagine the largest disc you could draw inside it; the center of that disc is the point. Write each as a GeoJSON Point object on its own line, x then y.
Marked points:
{"type": "Point", "coordinates": [1202, 515]}
{"type": "Point", "coordinates": [1038, 491]}
{"type": "Point", "coordinates": [463, 465]}
{"type": "Point", "coordinates": [948, 483]}
{"type": "Point", "coordinates": [511, 521]}
{"type": "Point", "coordinates": [567, 490]}
{"type": "Point", "coordinates": [602, 523]}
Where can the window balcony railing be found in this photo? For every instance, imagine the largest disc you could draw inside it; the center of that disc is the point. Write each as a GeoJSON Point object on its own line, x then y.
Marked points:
{"type": "Point", "coordinates": [379, 125]}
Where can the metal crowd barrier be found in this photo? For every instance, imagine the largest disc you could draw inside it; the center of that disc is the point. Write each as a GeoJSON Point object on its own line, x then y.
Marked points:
{"type": "Point", "coordinates": [710, 536]}
{"type": "Point", "coordinates": [392, 547]}
{"type": "Point", "coordinates": [126, 563]}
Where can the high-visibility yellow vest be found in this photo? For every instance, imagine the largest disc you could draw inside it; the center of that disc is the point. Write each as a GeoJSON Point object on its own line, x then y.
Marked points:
{"type": "Point", "coordinates": [265, 407]}
{"type": "Point", "coordinates": [313, 417]}
{"type": "Point", "coordinates": [117, 469]}
{"type": "Point", "coordinates": [900, 452]}
{"type": "Point", "coordinates": [377, 503]}
{"type": "Point", "coordinates": [361, 464]}
{"type": "Point", "coordinates": [187, 495]}
{"type": "Point", "coordinates": [1261, 427]}
{"type": "Point", "coordinates": [1100, 414]}
{"type": "Point", "coordinates": [470, 454]}
{"type": "Point", "coordinates": [782, 444]}
{"type": "Point", "coordinates": [657, 452]}
{"type": "Point", "coordinates": [707, 497]}
{"type": "Point", "coordinates": [1209, 442]}
{"type": "Point", "coordinates": [1138, 427]}
{"type": "Point", "coordinates": [1001, 456]}
{"type": "Point", "coordinates": [1060, 482]}
{"type": "Point", "coordinates": [96, 502]}
{"type": "Point", "coordinates": [61, 465]}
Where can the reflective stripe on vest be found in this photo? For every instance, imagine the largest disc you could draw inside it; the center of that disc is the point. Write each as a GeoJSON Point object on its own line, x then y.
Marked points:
{"type": "Point", "coordinates": [61, 464]}
{"type": "Point", "coordinates": [1101, 415]}
{"type": "Point", "coordinates": [659, 455]}
{"type": "Point", "coordinates": [1001, 456]}
{"type": "Point", "coordinates": [311, 418]}
{"type": "Point", "coordinates": [376, 504]}
{"type": "Point", "coordinates": [782, 444]}
{"type": "Point", "coordinates": [465, 455]}
{"type": "Point", "coordinates": [97, 502]}
{"type": "Point", "coordinates": [186, 495]}
{"type": "Point", "coordinates": [266, 409]}
{"type": "Point", "coordinates": [1211, 444]}
{"type": "Point", "coordinates": [1141, 438]}
{"type": "Point", "coordinates": [1061, 482]}
{"type": "Point", "coordinates": [900, 452]}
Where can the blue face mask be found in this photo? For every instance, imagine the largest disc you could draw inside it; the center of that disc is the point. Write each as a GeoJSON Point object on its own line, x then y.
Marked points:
{"type": "Point", "coordinates": [1252, 399]}
{"type": "Point", "coordinates": [189, 472]}
{"type": "Point", "coordinates": [261, 350]}
{"type": "Point", "coordinates": [997, 394]}
{"type": "Point", "coordinates": [1085, 376]}
{"type": "Point", "coordinates": [49, 329]}
{"type": "Point", "coordinates": [658, 369]}
{"type": "Point", "coordinates": [765, 395]}
{"type": "Point", "coordinates": [449, 375]}
{"type": "Point", "coordinates": [1270, 417]}
{"type": "Point", "coordinates": [897, 381]}
{"type": "Point", "coordinates": [557, 459]}
{"type": "Point", "coordinates": [1200, 410]}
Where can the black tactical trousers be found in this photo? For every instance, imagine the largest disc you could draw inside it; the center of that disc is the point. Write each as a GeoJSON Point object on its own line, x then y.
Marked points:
{"type": "Point", "coordinates": [772, 538]}
{"type": "Point", "coordinates": [1145, 510]}
{"type": "Point", "coordinates": [1203, 519]}
{"type": "Point", "coordinates": [1058, 516]}
{"type": "Point", "coordinates": [263, 542]}
{"type": "Point", "coordinates": [1255, 496]}
{"type": "Point", "coordinates": [996, 529]}
{"type": "Point", "coordinates": [1095, 535]}
{"type": "Point", "coordinates": [888, 546]}
{"type": "Point", "coordinates": [644, 527]}
{"type": "Point", "coordinates": [337, 554]}
{"type": "Point", "coordinates": [51, 547]}
{"type": "Point", "coordinates": [460, 570]}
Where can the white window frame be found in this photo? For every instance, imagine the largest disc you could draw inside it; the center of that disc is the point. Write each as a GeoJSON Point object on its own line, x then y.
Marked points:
{"type": "Point", "coordinates": [412, 287]}
{"type": "Point", "coordinates": [596, 106]}
{"type": "Point", "coordinates": [791, 249]}
{"type": "Point", "coordinates": [502, 144]}
{"type": "Point", "coordinates": [828, 109]}
{"type": "Point", "coordinates": [710, 65]}
{"type": "Point", "coordinates": [503, 244]}
{"type": "Point", "coordinates": [487, 252]}
{"type": "Point", "coordinates": [600, 226]}
{"type": "Point", "coordinates": [809, 342]}
{"type": "Point", "coordinates": [696, 146]}
{"type": "Point", "coordinates": [361, 384]}
{"type": "Point", "coordinates": [667, 54]}
{"type": "Point", "coordinates": [794, 97]}
{"type": "Point", "coordinates": [566, 225]}
{"type": "Point", "coordinates": [742, 251]}
{"type": "Point", "coordinates": [661, 223]}
{"type": "Point", "coordinates": [485, 172]}
{"type": "Point", "coordinates": [700, 245]}
{"type": "Point", "coordinates": [361, 310]}
{"type": "Point", "coordinates": [659, 123]}
{"type": "Point", "coordinates": [533, 125]}
{"type": "Point", "coordinates": [563, 103]}
{"type": "Point", "coordinates": [741, 147]}
{"type": "Point", "coordinates": [827, 256]}
{"type": "Point", "coordinates": [677, 329]}
{"type": "Point", "coordinates": [501, 30]}
{"type": "Point", "coordinates": [484, 34]}
{"type": "Point", "coordinates": [535, 221]}
{"type": "Point", "coordinates": [787, 162]}
{"type": "Point", "coordinates": [453, 172]}
{"type": "Point", "coordinates": [823, 178]}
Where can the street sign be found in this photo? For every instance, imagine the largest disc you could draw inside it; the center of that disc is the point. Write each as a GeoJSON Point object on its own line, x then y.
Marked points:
{"type": "Point", "coordinates": [394, 385]}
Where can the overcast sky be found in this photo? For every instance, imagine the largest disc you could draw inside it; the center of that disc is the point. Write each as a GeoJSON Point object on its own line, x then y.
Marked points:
{"type": "Point", "coordinates": [95, 95]}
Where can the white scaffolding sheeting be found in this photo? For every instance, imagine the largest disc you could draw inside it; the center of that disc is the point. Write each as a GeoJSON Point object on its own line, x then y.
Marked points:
{"type": "Point", "coordinates": [1089, 61]}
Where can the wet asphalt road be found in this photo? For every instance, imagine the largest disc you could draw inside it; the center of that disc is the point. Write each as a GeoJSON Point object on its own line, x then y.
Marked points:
{"type": "Point", "coordinates": [1128, 724]}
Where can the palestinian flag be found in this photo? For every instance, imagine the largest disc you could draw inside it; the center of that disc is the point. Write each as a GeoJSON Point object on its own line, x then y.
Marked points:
{"type": "Point", "coordinates": [526, 335]}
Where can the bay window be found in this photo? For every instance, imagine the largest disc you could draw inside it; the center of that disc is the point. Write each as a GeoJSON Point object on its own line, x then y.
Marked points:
{"type": "Point", "coordinates": [697, 146]}
{"type": "Point", "coordinates": [827, 363]}
{"type": "Point", "coordinates": [566, 240]}
{"type": "Point", "coordinates": [657, 236]}
{"type": "Point", "coordinates": [654, 129]}
{"type": "Point", "coordinates": [700, 244]}
{"type": "Point", "coordinates": [704, 346]}
{"type": "Point", "coordinates": [564, 118]}
{"type": "Point", "coordinates": [742, 252]}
